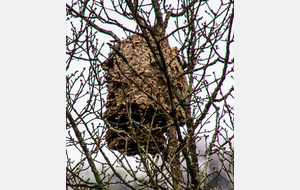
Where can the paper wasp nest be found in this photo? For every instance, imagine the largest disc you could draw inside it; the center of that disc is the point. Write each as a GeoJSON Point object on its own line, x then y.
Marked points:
{"type": "Point", "coordinates": [138, 100]}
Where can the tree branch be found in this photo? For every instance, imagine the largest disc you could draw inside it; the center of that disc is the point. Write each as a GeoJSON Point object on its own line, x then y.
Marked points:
{"type": "Point", "coordinates": [108, 32]}
{"type": "Point", "coordinates": [84, 147]}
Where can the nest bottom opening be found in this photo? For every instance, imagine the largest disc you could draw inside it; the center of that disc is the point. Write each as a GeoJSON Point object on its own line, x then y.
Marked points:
{"type": "Point", "coordinates": [137, 133]}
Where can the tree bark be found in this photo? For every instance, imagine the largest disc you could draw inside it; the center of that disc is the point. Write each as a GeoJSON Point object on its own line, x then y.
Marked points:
{"type": "Point", "coordinates": [173, 158]}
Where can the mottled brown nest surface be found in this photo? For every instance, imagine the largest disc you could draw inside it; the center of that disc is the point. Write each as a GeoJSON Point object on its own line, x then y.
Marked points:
{"type": "Point", "coordinates": [138, 90]}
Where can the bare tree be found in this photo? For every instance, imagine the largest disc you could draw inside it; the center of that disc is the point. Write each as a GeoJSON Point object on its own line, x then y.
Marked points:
{"type": "Point", "coordinates": [149, 94]}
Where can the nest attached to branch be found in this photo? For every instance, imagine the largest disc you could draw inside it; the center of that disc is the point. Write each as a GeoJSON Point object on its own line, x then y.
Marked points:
{"type": "Point", "coordinates": [138, 103]}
